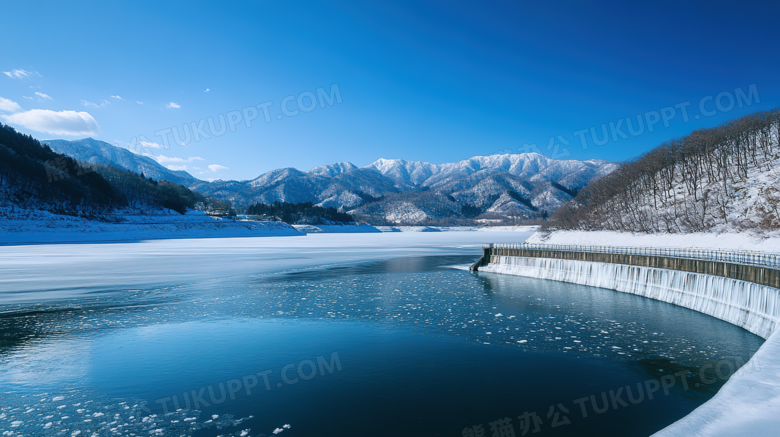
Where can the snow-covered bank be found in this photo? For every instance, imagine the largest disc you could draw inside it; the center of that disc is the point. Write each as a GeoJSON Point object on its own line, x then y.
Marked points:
{"type": "Point", "coordinates": [747, 403]}
{"type": "Point", "coordinates": [337, 229]}
{"type": "Point", "coordinates": [457, 228]}
{"type": "Point", "coordinates": [767, 242]}
{"type": "Point", "coordinates": [40, 227]}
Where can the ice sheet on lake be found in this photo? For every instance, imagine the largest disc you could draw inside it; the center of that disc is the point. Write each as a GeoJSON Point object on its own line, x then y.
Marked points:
{"type": "Point", "coordinates": [66, 271]}
{"type": "Point", "coordinates": [85, 414]}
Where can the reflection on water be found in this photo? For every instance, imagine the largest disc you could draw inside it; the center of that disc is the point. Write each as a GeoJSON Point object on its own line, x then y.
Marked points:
{"type": "Point", "coordinates": [424, 349]}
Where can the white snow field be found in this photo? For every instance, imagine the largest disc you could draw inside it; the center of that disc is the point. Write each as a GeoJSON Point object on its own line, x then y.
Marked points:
{"type": "Point", "coordinates": [457, 228]}
{"type": "Point", "coordinates": [336, 229]}
{"type": "Point", "coordinates": [24, 226]}
{"type": "Point", "coordinates": [748, 403]}
{"type": "Point", "coordinates": [766, 242]}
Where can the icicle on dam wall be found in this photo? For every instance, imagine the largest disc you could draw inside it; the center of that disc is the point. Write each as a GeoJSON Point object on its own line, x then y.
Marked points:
{"type": "Point", "coordinates": [744, 295]}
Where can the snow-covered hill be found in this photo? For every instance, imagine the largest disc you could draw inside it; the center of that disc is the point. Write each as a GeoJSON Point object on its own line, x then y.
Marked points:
{"type": "Point", "coordinates": [100, 152]}
{"type": "Point", "coordinates": [723, 180]}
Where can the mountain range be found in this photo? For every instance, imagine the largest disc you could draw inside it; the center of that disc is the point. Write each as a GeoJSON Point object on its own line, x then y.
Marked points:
{"type": "Point", "coordinates": [387, 191]}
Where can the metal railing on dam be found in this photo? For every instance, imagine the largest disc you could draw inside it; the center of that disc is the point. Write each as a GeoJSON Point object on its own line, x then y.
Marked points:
{"type": "Point", "coordinates": [756, 267]}
{"type": "Point", "coordinates": [738, 257]}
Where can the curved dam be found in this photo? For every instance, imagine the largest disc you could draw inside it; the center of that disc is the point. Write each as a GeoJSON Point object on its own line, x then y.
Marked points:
{"type": "Point", "coordinates": [740, 288]}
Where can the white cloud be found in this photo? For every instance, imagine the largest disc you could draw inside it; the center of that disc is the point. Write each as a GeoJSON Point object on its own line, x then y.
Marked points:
{"type": "Point", "coordinates": [55, 122]}
{"type": "Point", "coordinates": [151, 144]}
{"type": "Point", "coordinates": [9, 105]}
{"type": "Point", "coordinates": [215, 167]}
{"type": "Point", "coordinates": [140, 151]}
{"type": "Point", "coordinates": [207, 90]}
{"type": "Point", "coordinates": [117, 97]}
{"type": "Point", "coordinates": [162, 159]}
{"type": "Point", "coordinates": [177, 167]}
{"type": "Point", "coordinates": [39, 97]}
{"type": "Point", "coordinates": [104, 103]}
{"type": "Point", "coordinates": [20, 74]}
{"type": "Point", "coordinates": [139, 102]}
{"type": "Point", "coordinates": [172, 105]}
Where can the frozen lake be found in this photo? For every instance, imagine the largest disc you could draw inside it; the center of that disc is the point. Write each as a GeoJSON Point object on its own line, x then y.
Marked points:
{"type": "Point", "coordinates": [32, 274]}
{"type": "Point", "coordinates": [336, 335]}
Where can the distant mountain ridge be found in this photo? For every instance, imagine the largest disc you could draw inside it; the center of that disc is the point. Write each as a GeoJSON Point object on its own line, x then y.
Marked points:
{"type": "Point", "coordinates": [387, 190]}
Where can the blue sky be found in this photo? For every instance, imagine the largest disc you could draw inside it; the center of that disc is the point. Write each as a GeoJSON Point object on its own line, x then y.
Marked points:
{"type": "Point", "coordinates": [427, 81]}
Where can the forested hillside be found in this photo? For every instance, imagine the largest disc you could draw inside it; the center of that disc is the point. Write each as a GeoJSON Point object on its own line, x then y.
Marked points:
{"type": "Point", "coordinates": [718, 179]}
{"type": "Point", "coordinates": [33, 176]}
{"type": "Point", "coordinates": [99, 152]}
{"type": "Point", "coordinates": [300, 213]}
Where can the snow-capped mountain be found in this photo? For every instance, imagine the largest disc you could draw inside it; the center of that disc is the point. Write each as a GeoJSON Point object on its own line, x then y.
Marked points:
{"type": "Point", "coordinates": [401, 191]}
{"type": "Point", "coordinates": [394, 189]}
{"type": "Point", "coordinates": [530, 166]}
{"type": "Point", "coordinates": [332, 169]}
{"type": "Point", "coordinates": [100, 152]}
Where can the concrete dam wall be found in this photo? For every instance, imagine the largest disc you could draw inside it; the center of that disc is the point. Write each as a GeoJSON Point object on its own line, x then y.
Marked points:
{"type": "Point", "coordinates": [746, 295]}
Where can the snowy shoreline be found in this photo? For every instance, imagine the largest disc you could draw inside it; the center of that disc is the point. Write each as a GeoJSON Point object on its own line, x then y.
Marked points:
{"type": "Point", "coordinates": [768, 242]}
{"type": "Point", "coordinates": [25, 227]}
